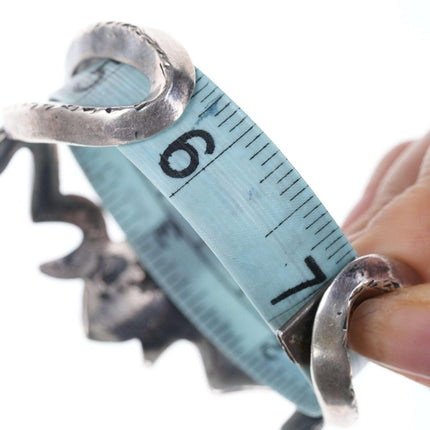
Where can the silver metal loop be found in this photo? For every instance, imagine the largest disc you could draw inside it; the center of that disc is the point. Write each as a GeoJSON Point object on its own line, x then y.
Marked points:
{"type": "Point", "coordinates": [164, 62]}
{"type": "Point", "coordinates": [331, 368]}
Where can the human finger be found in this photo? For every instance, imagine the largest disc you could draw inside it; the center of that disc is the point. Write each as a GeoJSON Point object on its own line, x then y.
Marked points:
{"type": "Point", "coordinates": [401, 174]}
{"type": "Point", "coordinates": [394, 331]}
{"type": "Point", "coordinates": [369, 194]}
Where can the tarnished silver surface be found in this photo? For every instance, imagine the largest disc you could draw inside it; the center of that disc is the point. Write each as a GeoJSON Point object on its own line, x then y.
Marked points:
{"type": "Point", "coordinates": [121, 301]}
{"type": "Point", "coordinates": [298, 421]}
{"type": "Point", "coordinates": [331, 370]}
{"type": "Point", "coordinates": [160, 58]}
{"type": "Point", "coordinates": [296, 334]}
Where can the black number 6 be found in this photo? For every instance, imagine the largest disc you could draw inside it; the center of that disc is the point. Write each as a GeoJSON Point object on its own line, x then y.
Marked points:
{"type": "Point", "coordinates": [181, 144]}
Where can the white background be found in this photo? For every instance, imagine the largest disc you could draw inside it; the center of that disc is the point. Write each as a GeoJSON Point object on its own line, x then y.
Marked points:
{"type": "Point", "coordinates": [334, 83]}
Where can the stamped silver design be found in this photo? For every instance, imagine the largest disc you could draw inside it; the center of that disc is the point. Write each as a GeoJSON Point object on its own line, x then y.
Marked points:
{"type": "Point", "coordinates": [121, 301]}
{"type": "Point", "coordinates": [331, 368]}
{"type": "Point", "coordinates": [160, 58]}
{"type": "Point", "coordinates": [316, 337]}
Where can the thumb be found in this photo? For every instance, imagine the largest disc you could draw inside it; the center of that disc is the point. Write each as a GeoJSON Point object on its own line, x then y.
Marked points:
{"type": "Point", "coordinates": [394, 330]}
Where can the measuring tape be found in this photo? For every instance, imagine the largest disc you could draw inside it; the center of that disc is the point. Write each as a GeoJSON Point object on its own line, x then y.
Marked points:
{"type": "Point", "coordinates": [210, 204]}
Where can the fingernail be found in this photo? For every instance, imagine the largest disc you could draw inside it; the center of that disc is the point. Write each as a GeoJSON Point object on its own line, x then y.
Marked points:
{"type": "Point", "coordinates": [394, 330]}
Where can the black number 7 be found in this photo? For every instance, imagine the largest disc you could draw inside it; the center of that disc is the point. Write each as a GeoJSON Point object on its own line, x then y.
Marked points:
{"type": "Point", "coordinates": [319, 277]}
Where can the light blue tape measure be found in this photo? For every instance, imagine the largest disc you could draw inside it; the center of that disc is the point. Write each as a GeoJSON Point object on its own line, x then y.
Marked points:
{"type": "Point", "coordinates": [241, 216]}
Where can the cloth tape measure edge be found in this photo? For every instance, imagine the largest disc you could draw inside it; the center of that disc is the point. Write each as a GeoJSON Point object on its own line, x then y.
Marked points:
{"type": "Point", "coordinates": [239, 193]}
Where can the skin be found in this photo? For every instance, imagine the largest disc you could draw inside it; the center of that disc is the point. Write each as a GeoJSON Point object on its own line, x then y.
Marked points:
{"type": "Point", "coordinates": [393, 218]}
